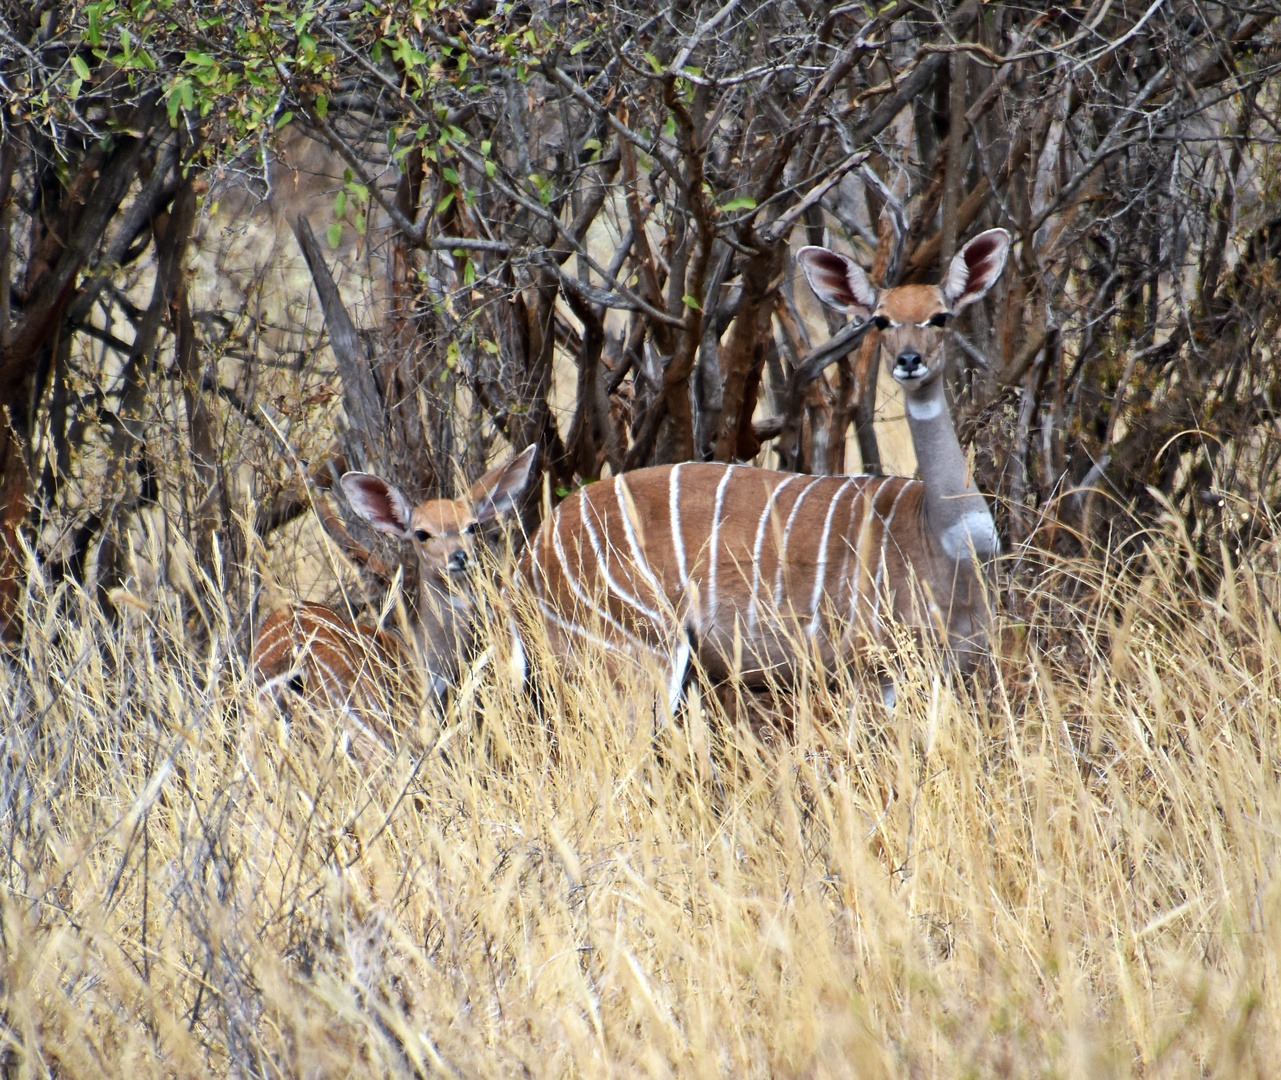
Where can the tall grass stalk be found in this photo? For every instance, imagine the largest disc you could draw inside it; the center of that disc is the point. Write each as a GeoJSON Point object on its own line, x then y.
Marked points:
{"type": "Point", "coordinates": [1068, 866]}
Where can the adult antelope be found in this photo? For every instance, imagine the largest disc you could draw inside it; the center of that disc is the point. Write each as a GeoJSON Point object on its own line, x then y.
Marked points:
{"type": "Point", "coordinates": [314, 649]}
{"type": "Point", "coordinates": [738, 565]}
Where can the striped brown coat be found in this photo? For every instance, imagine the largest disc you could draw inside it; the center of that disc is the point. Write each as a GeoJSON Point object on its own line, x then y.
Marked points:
{"type": "Point", "coordinates": [744, 567]}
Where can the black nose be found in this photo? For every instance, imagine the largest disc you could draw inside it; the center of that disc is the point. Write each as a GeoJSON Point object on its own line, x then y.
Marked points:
{"type": "Point", "coordinates": [909, 367]}
{"type": "Point", "coordinates": [458, 561]}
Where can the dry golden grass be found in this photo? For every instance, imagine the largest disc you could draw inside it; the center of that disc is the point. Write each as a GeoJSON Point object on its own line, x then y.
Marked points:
{"type": "Point", "coordinates": [1069, 868]}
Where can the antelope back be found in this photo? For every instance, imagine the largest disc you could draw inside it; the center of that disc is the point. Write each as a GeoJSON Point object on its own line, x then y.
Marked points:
{"type": "Point", "coordinates": [751, 565]}
{"type": "Point", "coordinates": [312, 650]}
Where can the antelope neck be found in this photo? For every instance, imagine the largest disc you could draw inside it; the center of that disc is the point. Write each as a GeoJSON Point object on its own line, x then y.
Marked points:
{"type": "Point", "coordinates": [444, 625]}
{"type": "Point", "coordinates": [956, 514]}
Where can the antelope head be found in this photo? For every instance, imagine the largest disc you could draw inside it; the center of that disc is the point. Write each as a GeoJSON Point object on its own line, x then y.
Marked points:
{"type": "Point", "coordinates": [444, 532]}
{"type": "Point", "coordinates": [910, 318]}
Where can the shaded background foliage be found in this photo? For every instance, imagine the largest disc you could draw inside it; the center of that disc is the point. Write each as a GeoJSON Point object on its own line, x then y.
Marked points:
{"type": "Point", "coordinates": [574, 224]}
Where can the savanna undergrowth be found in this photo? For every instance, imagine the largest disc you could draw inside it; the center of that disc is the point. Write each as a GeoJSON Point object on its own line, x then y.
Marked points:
{"type": "Point", "coordinates": [1066, 866]}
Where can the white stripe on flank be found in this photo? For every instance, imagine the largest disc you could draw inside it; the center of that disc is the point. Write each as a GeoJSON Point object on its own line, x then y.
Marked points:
{"type": "Point", "coordinates": [715, 547]}
{"type": "Point", "coordinates": [864, 529]}
{"type": "Point", "coordinates": [885, 540]}
{"type": "Point", "coordinates": [787, 536]}
{"type": "Point", "coordinates": [538, 556]}
{"type": "Point", "coordinates": [854, 525]}
{"type": "Point", "coordinates": [603, 564]}
{"type": "Point", "coordinates": [519, 658]}
{"type": "Point", "coordinates": [821, 570]}
{"type": "Point", "coordinates": [625, 507]}
{"type": "Point", "coordinates": [573, 629]}
{"type": "Point", "coordinates": [674, 515]}
{"type": "Point", "coordinates": [580, 594]}
{"type": "Point", "coordinates": [756, 551]}
{"type": "Point", "coordinates": [676, 674]}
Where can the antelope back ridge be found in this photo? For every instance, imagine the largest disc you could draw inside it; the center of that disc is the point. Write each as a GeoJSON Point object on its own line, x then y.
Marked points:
{"type": "Point", "coordinates": [736, 565]}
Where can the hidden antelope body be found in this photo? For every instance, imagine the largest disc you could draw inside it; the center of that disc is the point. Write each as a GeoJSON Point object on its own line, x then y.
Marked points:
{"type": "Point", "coordinates": [312, 648]}
{"type": "Point", "coordinates": [737, 565]}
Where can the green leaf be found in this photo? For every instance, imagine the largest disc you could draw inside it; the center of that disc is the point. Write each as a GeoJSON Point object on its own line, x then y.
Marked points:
{"type": "Point", "coordinates": [485, 147]}
{"type": "Point", "coordinates": [450, 174]}
{"type": "Point", "coordinates": [82, 69]}
{"type": "Point", "coordinates": [653, 62]}
{"type": "Point", "coordinates": [73, 89]}
{"type": "Point", "coordinates": [469, 273]}
{"type": "Point", "coordinates": [490, 169]}
{"type": "Point", "coordinates": [334, 235]}
{"type": "Point", "coordinates": [360, 224]}
{"type": "Point", "coordinates": [285, 117]}
{"type": "Point", "coordinates": [691, 302]}
{"type": "Point", "coordinates": [591, 144]}
{"type": "Point", "coordinates": [444, 203]}
{"type": "Point", "coordinates": [340, 204]}
{"type": "Point", "coordinates": [743, 203]}
{"type": "Point", "coordinates": [580, 46]}
{"type": "Point", "coordinates": [322, 105]}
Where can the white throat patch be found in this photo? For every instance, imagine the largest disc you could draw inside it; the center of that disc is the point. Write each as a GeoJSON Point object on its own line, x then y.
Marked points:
{"type": "Point", "coordinates": [928, 409]}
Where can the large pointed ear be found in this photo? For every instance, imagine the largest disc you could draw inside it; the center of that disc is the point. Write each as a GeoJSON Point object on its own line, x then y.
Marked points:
{"type": "Point", "coordinates": [838, 281]}
{"type": "Point", "coordinates": [497, 491]}
{"type": "Point", "coordinates": [975, 268]}
{"type": "Point", "coordinates": [380, 504]}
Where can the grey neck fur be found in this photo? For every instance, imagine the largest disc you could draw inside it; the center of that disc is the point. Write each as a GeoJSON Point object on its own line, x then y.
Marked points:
{"type": "Point", "coordinates": [957, 516]}
{"type": "Point", "coordinates": [444, 627]}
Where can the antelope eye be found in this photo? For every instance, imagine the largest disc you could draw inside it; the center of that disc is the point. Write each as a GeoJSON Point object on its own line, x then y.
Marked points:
{"type": "Point", "coordinates": [940, 319]}
{"type": "Point", "coordinates": [471, 529]}
{"type": "Point", "coordinates": [422, 535]}
{"type": "Point", "coordinates": [880, 322]}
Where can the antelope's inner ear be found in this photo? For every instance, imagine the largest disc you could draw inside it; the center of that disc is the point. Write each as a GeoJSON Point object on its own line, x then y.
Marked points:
{"type": "Point", "coordinates": [837, 280]}
{"type": "Point", "coordinates": [380, 504]}
{"type": "Point", "coordinates": [976, 268]}
{"type": "Point", "coordinates": [497, 491]}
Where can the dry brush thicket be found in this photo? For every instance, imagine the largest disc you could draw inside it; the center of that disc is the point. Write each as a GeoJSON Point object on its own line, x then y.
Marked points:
{"type": "Point", "coordinates": [245, 248]}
